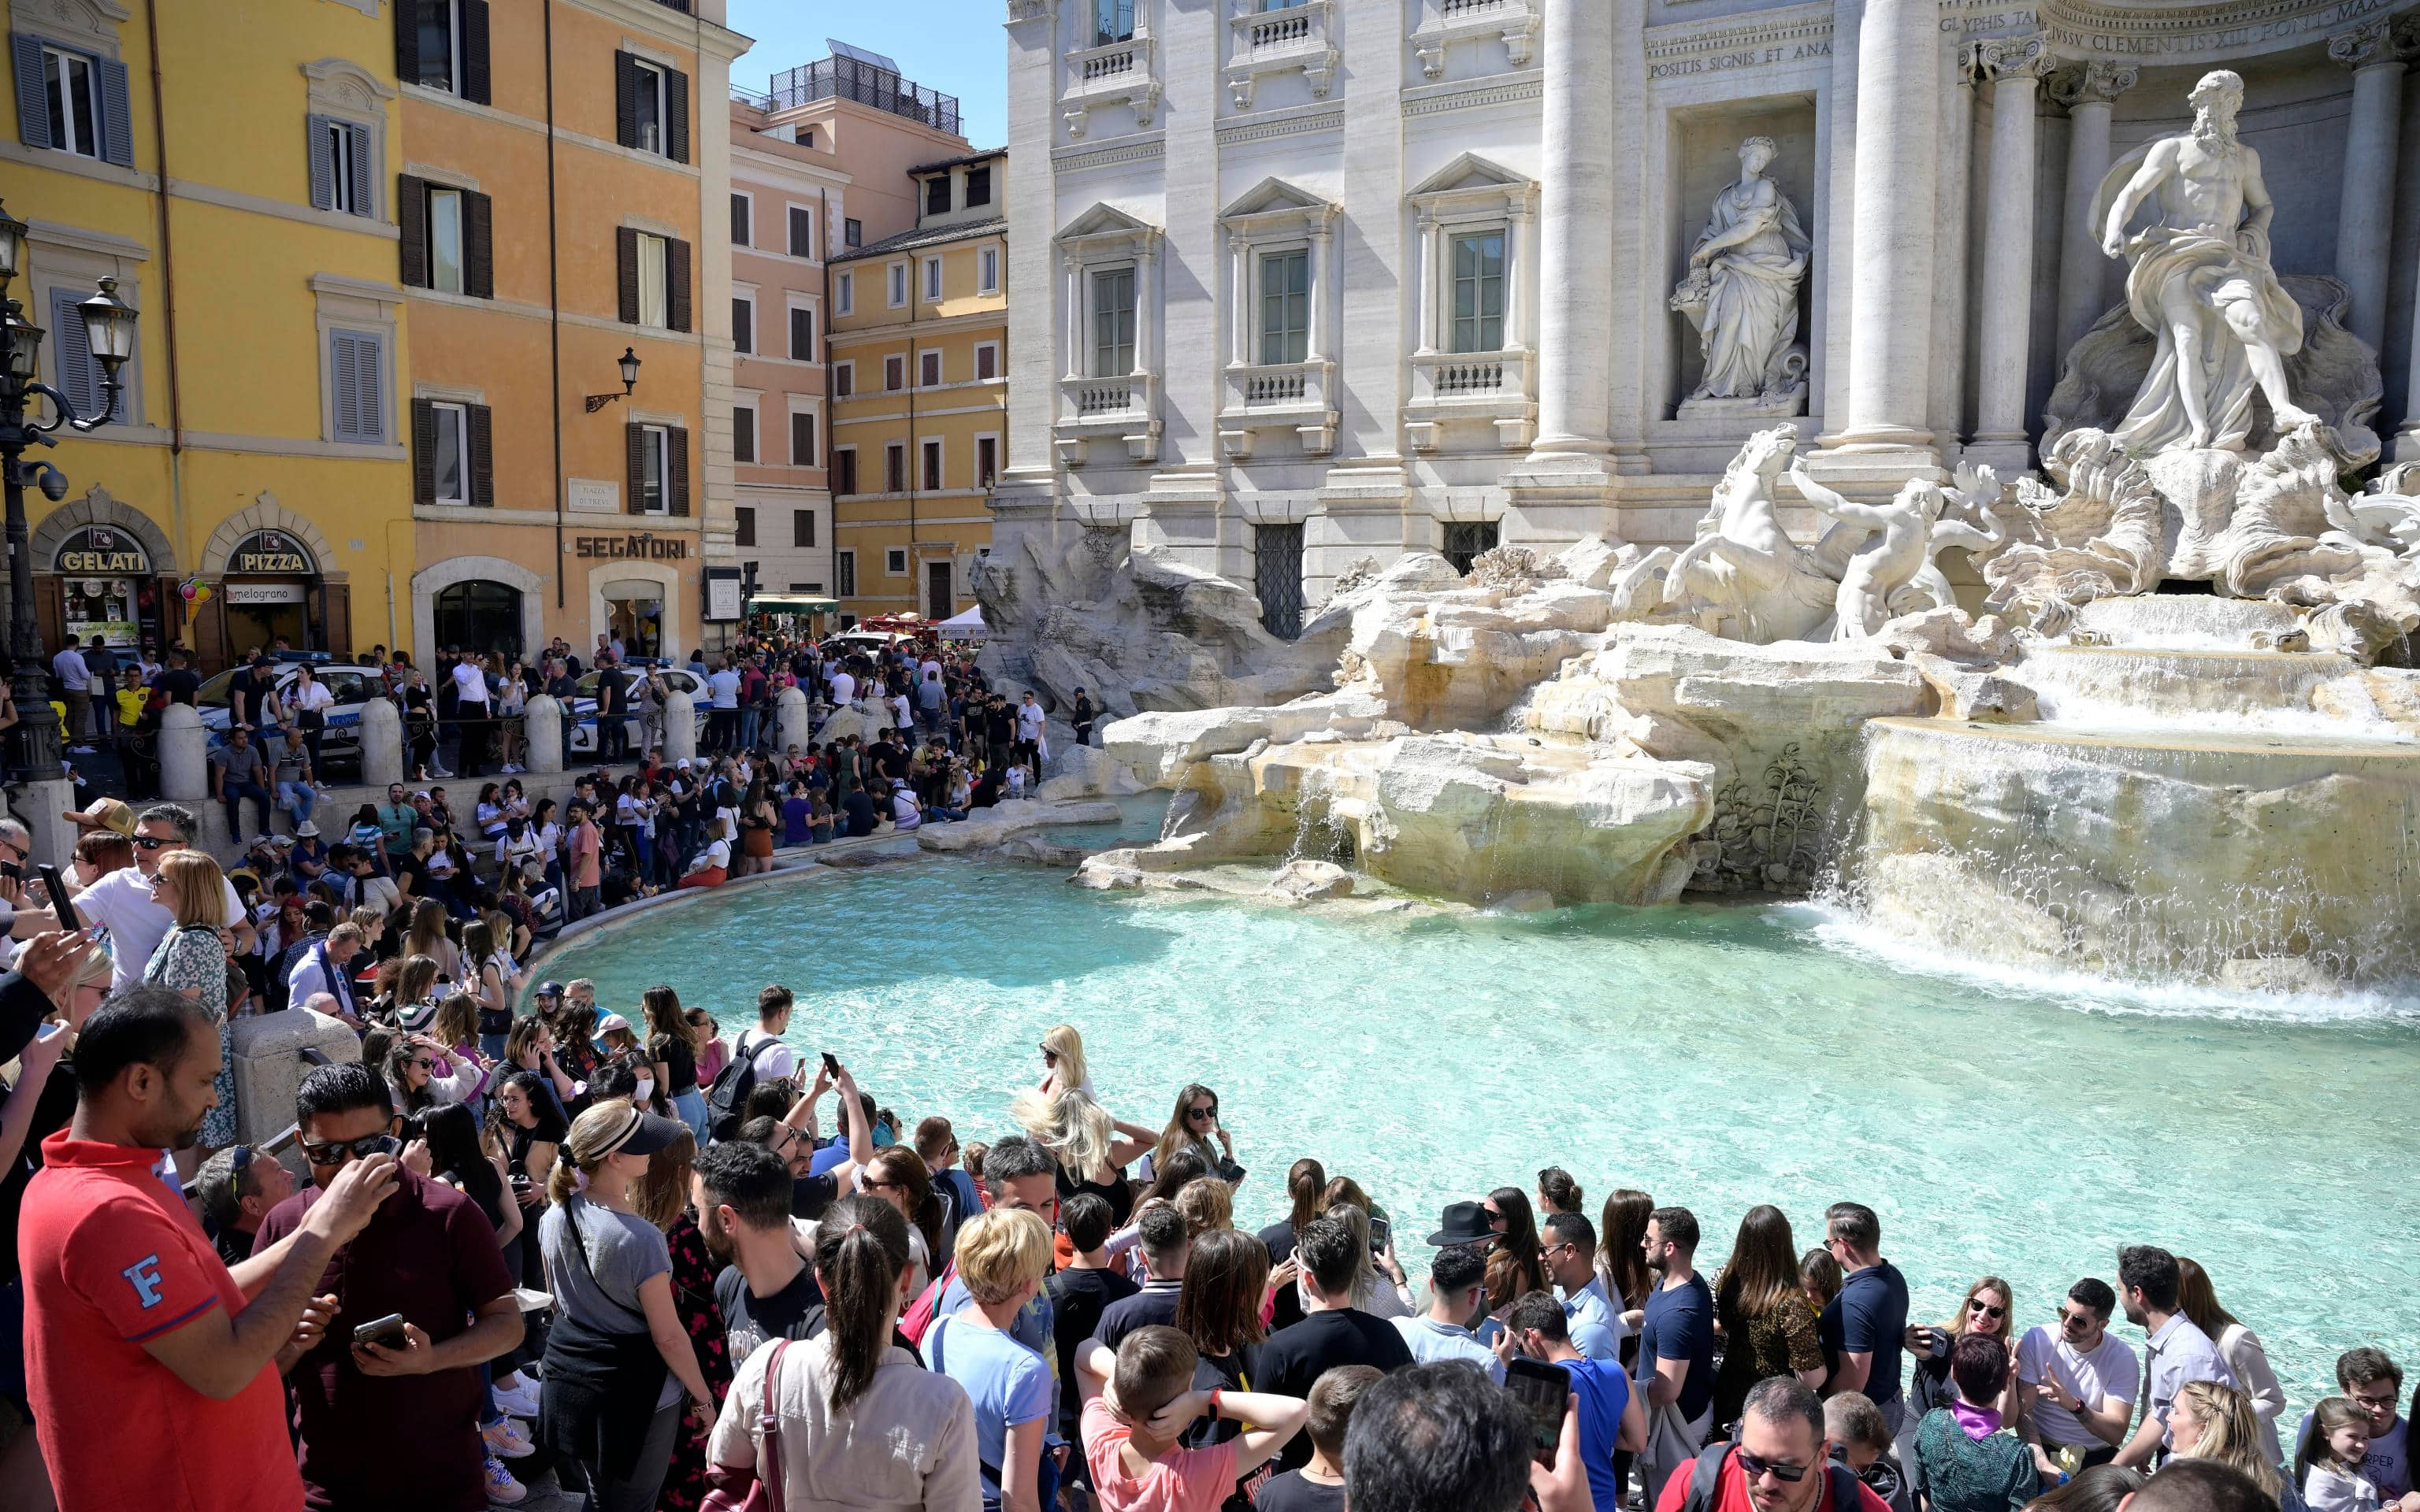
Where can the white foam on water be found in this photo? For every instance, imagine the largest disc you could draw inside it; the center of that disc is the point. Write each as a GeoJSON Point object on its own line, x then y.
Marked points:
{"type": "Point", "coordinates": [1835, 928]}
{"type": "Point", "coordinates": [2112, 717]}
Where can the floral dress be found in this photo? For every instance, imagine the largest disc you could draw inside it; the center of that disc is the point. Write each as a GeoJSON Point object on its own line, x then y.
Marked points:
{"type": "Point", "coordinates": [192, 957]}
{"type": "Point", "coordinates": [693, 1272]}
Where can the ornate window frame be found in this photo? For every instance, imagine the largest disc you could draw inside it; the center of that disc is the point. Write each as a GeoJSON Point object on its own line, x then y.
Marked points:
{"type": "Point", "coordinates": [1468, 195]}
{"type": "Point", "coordinates": [343, 90]}
{"type": "Point", "coordinates": [1093, 407]}
{"type": "Point", "coordinates": [1274, 216]}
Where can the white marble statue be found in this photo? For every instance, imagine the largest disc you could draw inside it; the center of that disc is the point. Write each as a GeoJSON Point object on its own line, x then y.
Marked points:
{"type": "Point", "coordinates": [1879, 568]}
{"type": "Point", "coordinates": [1742, 292]}
{"type": "Point", "coordinates": [1756, 582]}
{"type": "Point", "coordinates": [2200, 280]}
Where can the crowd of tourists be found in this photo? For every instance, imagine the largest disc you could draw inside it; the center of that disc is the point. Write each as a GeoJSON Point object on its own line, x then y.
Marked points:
{"type": "Point", "coordinates": [620, 1252]}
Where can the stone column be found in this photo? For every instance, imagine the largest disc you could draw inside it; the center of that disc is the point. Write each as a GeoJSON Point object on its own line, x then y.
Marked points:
{"type": "Point", "coordinates": [2365, 209]}
{"type": "Point", "coordinates": [1516, 256]}
{"type": "Point", "coordinates": [1074, 318]}
{"type": "Point", "coordinates": [381, 745]}
{"type": "Point", "coordinates": [1575, 253]}
{"type": "Point", "coordinates": [185, 752]}
{"type": "Point", "coordinates": [542, 731]}
{"type": "Point", "coordinates": [2016, 66]}
{"type": "Point", "coordinates": [2087, 92]}
{"type": "Point", "coordinates": [1240, 275]}
{"type": "Point", "coordinates": [1146, 306]}
{"type": "Point", "coordinates": [1432, 283]}
{"type": "Point", "coordinates": [1898, 149]}
{"type": "Point", "coordinates": [1315, 342]}
{"type": "Point", "coordinates": [797, 719]}
{"type": "Point", "coordinates": [680, 726]}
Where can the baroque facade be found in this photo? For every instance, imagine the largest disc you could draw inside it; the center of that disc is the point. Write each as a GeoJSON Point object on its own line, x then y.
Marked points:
{"type": "Point", "coordinates": [1345, 279]}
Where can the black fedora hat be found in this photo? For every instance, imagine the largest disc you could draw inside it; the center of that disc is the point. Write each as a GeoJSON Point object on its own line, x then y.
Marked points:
{"type": "Point", "coordinates": [1465, 1223]}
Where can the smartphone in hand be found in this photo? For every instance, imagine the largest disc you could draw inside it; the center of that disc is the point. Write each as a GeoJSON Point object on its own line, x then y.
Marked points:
{"type": "Point", "coordinates": [388, 1332]}
{"type": "Point", "coordinates": [61, 909]}
{"type": "Point", "coordinates": [1545, 1392]}
{"type": "Point", "coordinates": [831, 1065]}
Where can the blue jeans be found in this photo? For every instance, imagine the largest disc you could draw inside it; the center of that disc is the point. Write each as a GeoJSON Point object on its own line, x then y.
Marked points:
{"type": "Point", "coordinates": [750, 719]}
{"type": "Point", "coordinates": [297, 800]}
{"type": "Point", "coordinates": [691, 1106]}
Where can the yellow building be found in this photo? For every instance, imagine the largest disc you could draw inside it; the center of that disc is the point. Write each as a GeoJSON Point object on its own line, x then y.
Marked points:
{"type": "Point", "coordinates": [919, 359]}
{"type": "Point", "coordinates": [243, 200]}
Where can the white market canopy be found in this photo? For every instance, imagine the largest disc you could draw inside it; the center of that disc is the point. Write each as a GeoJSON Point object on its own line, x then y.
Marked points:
{"type": "Point", "coordinates": [967, 626]}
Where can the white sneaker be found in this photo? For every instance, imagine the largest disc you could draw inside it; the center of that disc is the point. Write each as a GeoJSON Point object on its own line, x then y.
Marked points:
{"type": "Point", "coordinates": [520, 1401]}
{"type": "Point", "coordinates": [500, 1485]}
{"type": "Point", "coordinates": [504, 1441]}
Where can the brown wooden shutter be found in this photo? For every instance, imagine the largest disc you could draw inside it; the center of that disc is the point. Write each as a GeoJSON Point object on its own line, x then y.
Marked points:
{"type": "Point", "coordinates": [626, 99]}
{"type": "Point", "coordinates": [337, 615]}
{"type": "Point", "coordinates": [478, 245]}
{"type": "Point", "coordinates": [407, 41]}
{"type": "Point", "coordinates": [625, 260]}
{"type": "Point", "coordinates": [207, 633]}
{"type": "Point", "coordinates": [676, 450]}
{"type": "Point", "coordinates": [634, 457]}
{"type": "Point", "coordinates": [482, 455]}
{"type": "Point", "coordinates": [677, 274]}
{"type": "Point", "coordinates": [411, 213]}
{"type": "Point", "coordinates": [676, 108]}
{"type": "Point", "coordinates": [474, 51]}
{"type": "Point", "coordinates": [424, 452]}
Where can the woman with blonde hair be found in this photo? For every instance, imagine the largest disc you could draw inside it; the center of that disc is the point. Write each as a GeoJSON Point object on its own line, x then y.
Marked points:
{"type": "Point", "coordinates": [427, 937]}
{"type": "Point", "coordinates": [1063, 1060]}
{"type": "Point", "coordinates": [2238, 1346]}
{"type": "Point", "coordinates": [1989, 1308]}
{"type": "Point", "coordinates": [485, 982]}
{"type": "Point", "coordinates": [1083, 1139]}
{"type": "Point", "coordinates": [1003, 1258]}
{"type": "Point", "coordinates": [1381, 1296]}
{"type": "Point", "coordinates": [193, 959]}
{"type": "Point", "coordinates": [1207, 1203]}
{"type": "Point", "coordinates": [618, 1363]}
{"type": "Point", "coordinates": [2213, 1421]}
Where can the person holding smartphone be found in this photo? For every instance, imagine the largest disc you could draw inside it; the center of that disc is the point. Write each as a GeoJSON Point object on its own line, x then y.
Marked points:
{"type": "Point", "coordinates": [1549, 1376]}
{"type": "Point", "coordinates": [441, 1288]}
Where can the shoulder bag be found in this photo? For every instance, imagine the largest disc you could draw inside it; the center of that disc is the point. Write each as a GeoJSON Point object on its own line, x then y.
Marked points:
{"type": "Point", "coordinates": [744, 1488]}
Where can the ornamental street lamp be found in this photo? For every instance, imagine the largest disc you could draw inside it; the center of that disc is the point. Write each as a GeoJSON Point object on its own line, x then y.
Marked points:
{"type": "Point", "coordinates": [629, 367]}
{"type": "Point", "coordinates": [109, 334]}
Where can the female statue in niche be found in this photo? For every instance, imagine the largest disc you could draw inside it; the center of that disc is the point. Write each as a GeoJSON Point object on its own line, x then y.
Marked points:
{"type": "Point", "coordinates": [1742, 294]}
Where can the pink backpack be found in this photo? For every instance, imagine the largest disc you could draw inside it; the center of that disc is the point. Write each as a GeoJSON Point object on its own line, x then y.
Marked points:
{"type": "Point", "coordinates": [918, 1319]}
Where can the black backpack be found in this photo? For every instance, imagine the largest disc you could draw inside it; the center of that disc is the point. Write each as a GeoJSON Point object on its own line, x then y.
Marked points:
{"type": "Point", "coordinates": [726, 1101]}
{"type": "Point", "coordinates": [1706, 1478]}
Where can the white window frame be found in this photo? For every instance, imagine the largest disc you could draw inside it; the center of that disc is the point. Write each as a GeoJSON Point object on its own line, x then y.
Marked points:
{"type": "Point", "coordinates": [348, 95]}
{"type": "Point", "coordinates": [813, 412]}
{"type": "Point", "coordinates": [752, 406]}
{"type": "Point", "coordinates": [660, 437]}
{"type": "Point", "coordinates": [1473, 196]}
{"type": "Point", "coordinates": [792, 307]}
{"type": "Point", "coordinates": [1092, 347]}
{"type": "Point", "coordinates": [929, 360]}
{"type": "Point", "coordinates": [895, 284]}
{"type": "Point", "coordinates": [439, 194]}
{"type": "Point", "coordinates": [651, 81]}
{"type": "Point", "coordinates": [655, 288]}
{"type": "Point", "coordinates": [1449, 271]}
{"type": "Point", "coordinates": [791, 208]}
{"type": "Point", "coordinates": [852, 232]}
{"type": "Point", "coordinates": [933, 449]}
{"type": "Point", "coordinates": [982, 436]}
{"type": "Point", "coordinates": [747, 295]}
{"type": "Point", "coordinates": [847, 294]}
{"type": "Point", "coordinates": [345, 195]}
{"type": "Point", "coordinates": [993, 348]}
{"type": "Point", "coordinates": [932, 280]}
{"type": "Point", "coordinates": [1095, 409]}
{"type": "Point", "coordinates": [894, 554]}
{"type": "Point", "coordinates": [452, 83]}
{"type": "Point", "coordinates": [440, 412]}
{"type": "Point", "coordinates": [1290, 395]}
{"type": "Point", "coordinates": [844, 380]}
{"type": "Point", "coordinates": [750, 198]}
{"type": "Point", "coordinates": [986, 270]}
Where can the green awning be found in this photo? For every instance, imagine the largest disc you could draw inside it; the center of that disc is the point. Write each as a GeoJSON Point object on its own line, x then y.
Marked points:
{"type": "Point", "coordinates": [793, 603]}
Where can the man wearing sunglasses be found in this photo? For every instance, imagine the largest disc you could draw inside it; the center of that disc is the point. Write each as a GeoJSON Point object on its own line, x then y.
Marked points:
{"type": "Point", "coordinates": [127, 1302]}
{"type": "Point", "coordinates": [1781, 1463]}
{"type": "Point", "coordinates": [2082, 1380]}
{"type": "Point", "coordinates": [427, 1254]}
{"type": "Point", "coordinates": [121, 902]}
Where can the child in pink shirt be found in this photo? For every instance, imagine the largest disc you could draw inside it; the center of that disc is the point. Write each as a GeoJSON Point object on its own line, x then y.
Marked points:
{"type": "Point", "coordinates": [1131, 1431]}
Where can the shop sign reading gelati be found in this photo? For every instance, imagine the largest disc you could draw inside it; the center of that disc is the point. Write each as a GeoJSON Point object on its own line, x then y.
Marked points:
{"type": "Point", "coordinates": [97, 549]}
{"type": "Point", "coordinates": [270, 554]}
{"type": "Point", "coordinates": [642, 547]}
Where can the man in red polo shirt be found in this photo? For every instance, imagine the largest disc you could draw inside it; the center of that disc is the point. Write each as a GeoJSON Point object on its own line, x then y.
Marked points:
{"type": "Point", "coordinates": [154, 1381]}
{"type": "Point", "coordinates": [1782, 1462]}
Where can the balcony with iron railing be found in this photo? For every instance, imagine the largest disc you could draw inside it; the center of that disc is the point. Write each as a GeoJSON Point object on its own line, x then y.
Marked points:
{"type": "Point", "coordinates": [864, 83]}
{"type": "Point", "coordinates": [1297, 38]}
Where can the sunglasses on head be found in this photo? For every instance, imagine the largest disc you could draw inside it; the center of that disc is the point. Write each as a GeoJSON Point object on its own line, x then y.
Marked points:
{"type": "Point", "coordinates": [361, 1148]}
{"type": "Point", "coordinates": [1977, 1304]}
{"type": "Point", "coordinates": [1752, 1466]}
{"type": "Point", "coordinates": [239, 1161]}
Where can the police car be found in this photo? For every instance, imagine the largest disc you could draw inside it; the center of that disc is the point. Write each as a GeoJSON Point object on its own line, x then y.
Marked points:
{"type": "Point", "coordinates": [634, 676]}
{"type": "Point", "coordinates": [353, 687]}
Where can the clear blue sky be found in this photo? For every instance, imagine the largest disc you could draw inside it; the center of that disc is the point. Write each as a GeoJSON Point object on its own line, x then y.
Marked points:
{"type": "Point", "coordinates": [954, 46]}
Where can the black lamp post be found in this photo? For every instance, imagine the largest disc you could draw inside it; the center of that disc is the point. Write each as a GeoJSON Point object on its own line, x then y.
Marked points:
{"type": "Point", "coordinates": [109, 332]}
{"type": "Point", "coordinates": [629, 367]}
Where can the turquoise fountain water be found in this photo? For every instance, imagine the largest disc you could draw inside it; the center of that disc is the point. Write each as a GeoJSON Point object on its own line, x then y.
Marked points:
{"type": "Point", "coordinates": [1714, 1056]}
